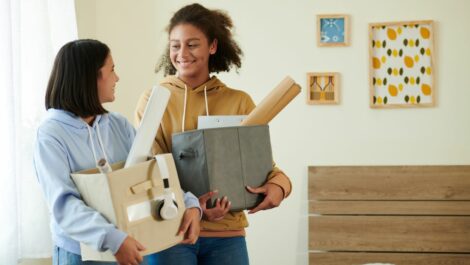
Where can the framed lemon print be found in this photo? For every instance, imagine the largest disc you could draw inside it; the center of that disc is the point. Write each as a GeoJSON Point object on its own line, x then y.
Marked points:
{"type": "Point", "coordinates": [332, 30]}
{"type": "Point", "coordinates": [401, 58]}
{"type": "Point", "coordinates": [323, 88]}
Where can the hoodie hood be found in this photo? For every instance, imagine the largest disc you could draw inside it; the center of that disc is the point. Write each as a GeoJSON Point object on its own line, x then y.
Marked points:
{"type": "Point", "coordinates": [172, 82]}
{"type": "Point", "coordinates": [70, 119]}
{"type": "Point", "coordinates": [70, 122]}
{"type": "Point", "coordinates": [177, 86]}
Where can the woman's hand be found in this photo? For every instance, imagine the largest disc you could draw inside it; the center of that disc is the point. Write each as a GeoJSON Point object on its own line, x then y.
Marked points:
{"type": "Point", "coordinates": [128, 252]}
{"type": "Point", "coordinates": [273, 196]}
{"type": "Point", "coordinates": [222, 207]}
{"type": "Point", "coordinates": [190, 226]}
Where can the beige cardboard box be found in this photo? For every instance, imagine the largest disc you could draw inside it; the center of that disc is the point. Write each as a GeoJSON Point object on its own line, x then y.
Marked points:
{"type": "Point", "coordinates": [128, 198]}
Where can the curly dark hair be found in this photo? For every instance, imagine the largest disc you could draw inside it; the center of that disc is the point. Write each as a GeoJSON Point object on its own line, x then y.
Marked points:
{"type": "Point", "coordinates": [215, 24]}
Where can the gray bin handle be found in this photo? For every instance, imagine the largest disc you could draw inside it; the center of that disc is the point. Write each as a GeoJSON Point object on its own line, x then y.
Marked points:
{"type": "Point", "coordinates": [188, 153]}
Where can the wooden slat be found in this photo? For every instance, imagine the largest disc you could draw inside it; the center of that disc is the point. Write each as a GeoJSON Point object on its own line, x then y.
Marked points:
{"type": "Point", "coordinates": [340, 258]}
{"type": "Point", "coordinates": [390, 207]}
{"type": "Point", "coordinates": [389, 183]}
{"type": "Point", "coordinates": [390, 233]}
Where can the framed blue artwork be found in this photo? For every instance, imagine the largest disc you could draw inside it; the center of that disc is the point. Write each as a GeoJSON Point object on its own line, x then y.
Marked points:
{"type": "Point", "coordinates": [332, 30]}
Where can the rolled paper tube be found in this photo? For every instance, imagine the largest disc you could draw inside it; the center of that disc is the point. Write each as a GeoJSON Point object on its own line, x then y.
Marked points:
{"type": "Point", "coordinates": [273, 103]}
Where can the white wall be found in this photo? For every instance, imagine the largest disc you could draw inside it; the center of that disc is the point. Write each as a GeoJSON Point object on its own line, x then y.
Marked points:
{"type": "Point", "coordinates": [129, 29]}
{"type": "Point", "coordinates": [279, 38]}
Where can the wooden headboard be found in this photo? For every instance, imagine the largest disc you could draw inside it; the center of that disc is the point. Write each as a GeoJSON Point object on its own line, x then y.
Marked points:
{"type": "Point", "coordinates": [402, 215]}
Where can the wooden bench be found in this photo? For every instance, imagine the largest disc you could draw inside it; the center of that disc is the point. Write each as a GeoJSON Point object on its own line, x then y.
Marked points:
{"type": "Point", "coordinates": [402, 215]}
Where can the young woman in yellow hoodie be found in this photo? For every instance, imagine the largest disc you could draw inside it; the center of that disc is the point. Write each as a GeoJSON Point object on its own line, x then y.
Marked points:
{"type": "Point", "coordinates": [200, 43]}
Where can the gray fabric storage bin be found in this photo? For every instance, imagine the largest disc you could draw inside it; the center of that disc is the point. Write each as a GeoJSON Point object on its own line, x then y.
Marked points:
{"type": "Point", "coordinates": [227, 159]}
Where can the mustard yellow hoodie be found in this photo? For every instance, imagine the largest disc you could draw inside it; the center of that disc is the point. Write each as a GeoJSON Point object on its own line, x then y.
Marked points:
{"type": "Point", "coordinates": [221, 100]}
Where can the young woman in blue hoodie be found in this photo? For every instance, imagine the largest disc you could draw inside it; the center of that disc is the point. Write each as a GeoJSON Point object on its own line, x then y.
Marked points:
{"type": "Point", "coordinates": [76, 133]}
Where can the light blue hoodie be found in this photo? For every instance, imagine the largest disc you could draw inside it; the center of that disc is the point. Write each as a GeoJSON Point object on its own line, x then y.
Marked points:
{"type": "Point", "coordinates": [63, 146]}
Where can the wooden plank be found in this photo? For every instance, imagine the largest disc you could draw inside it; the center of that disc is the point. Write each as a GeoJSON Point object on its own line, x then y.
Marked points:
{"type": "Point", "coordinates": [390, 233]}
{"type": "Point", "coordinates": [342, 258]}
{"type": "Point", "coordinates": [389, 183]}
{"type": "Point", "coordinates": [390, 207]}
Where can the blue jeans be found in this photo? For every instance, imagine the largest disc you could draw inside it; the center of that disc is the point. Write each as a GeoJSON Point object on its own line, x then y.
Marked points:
{"type": "Point", "coordinates": [63, 257]}
{"type": "Point", "coordinates": [206, 251]}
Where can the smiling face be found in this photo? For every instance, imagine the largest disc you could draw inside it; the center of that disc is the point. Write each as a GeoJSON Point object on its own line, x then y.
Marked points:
{"type": "Point", "coordinates": [107, 81]}
{"type": "Point", "coordinates": [190, 51]}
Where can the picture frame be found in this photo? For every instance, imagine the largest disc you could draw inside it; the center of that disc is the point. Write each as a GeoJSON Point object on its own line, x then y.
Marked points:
{"type": "Point", "coordinates": [401, 59]}
{"type": "Point", "coordinates": [323, 88]}
{"type": "Point", "coordinates": [332, 30]}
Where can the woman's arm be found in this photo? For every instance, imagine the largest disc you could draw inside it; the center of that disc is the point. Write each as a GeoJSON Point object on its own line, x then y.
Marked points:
{"type": "Point", "coordinates": [77, 220]}
{"type": "Point", "coordinates": [190, 224]}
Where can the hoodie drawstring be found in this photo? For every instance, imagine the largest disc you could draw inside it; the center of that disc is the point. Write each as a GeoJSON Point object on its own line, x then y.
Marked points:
{"type": "Point", "coordinates": [92, 144]}
{"type": "Point", "coordinates": [103, 167]}
{"type": "Point", "coordinates": [184, 107]}
{"type": "Point", "coordinates": [205, 97]}
{"type": "Point", "coordinates": [101, 143]}
{"type": "Point", "coordinates": [185, 102]}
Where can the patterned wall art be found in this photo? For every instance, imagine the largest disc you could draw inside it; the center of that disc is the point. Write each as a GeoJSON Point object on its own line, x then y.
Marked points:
{"type": "Point", "coordinates": [323, 88]}
{"type": "Point", "coordinates": [401, 64]}
{"type": "Point", "coordinates": [332, 30]}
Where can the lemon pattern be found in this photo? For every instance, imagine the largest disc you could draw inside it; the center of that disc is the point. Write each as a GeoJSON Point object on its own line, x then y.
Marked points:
{"type": "Point", "coordinates": [401, 61]}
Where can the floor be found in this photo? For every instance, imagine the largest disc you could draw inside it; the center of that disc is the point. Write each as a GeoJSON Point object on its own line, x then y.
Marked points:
{"type": "Point", "coordinates": [35, 262]}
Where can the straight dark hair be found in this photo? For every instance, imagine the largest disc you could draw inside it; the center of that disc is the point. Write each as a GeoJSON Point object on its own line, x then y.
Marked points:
{"type": "Point", "coordinates": [73, 82]}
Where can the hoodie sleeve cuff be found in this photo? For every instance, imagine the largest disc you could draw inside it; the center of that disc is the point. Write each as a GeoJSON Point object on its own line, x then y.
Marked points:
{"type": "Point", "coordinates": [191, 201]}
{"type": "Point", "coordinates": [113, 240]}
{"type": "Point", "coordinates": [283, 182]}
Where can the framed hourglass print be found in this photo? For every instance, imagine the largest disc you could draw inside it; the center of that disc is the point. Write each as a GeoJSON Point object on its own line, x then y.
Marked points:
{"type": "Point", "coordinates": [323, 88]}
{"type": "Point", "coordinates": [332, 30]}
